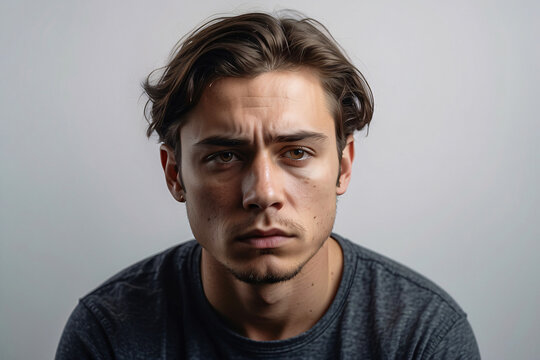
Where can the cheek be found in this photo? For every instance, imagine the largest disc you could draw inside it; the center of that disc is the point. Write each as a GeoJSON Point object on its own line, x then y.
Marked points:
{"type": "Point", "coordinates": [208, 200]}
{"type": "Point", "coordinates": [205, 207]}
{"type": "Point", "coordinates": [315, 192]}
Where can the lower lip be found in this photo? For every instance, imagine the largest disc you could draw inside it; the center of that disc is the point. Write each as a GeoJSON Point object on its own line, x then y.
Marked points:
{"type": "Point", "coordinates": [266, 242]}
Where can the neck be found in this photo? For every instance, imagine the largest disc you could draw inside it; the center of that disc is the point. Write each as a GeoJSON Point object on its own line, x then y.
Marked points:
{"type": "Point", "coordinates": [275, 311]}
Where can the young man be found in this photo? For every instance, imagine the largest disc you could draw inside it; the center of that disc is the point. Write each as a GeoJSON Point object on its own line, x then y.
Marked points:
{"type": "Point", "coordinates": [256, 115]}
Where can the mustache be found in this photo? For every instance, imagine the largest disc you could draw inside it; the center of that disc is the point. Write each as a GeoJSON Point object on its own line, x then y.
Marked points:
{"type": "Point", "coordinates": [287, 225]}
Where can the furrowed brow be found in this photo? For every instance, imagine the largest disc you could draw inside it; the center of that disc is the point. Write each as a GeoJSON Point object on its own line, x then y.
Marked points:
{"type": "Point", "coordinates": [222, 141]}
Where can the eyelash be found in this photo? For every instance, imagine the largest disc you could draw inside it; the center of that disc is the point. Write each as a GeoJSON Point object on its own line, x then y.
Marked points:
{"type": "Point", "coordinates": [305, 154]}
{"type": "Point", "coordinates": [215, 157]}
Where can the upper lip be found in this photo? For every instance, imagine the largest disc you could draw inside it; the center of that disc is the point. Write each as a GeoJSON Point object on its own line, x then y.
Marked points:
{"type": "Point", "coordinates": [262, 233]}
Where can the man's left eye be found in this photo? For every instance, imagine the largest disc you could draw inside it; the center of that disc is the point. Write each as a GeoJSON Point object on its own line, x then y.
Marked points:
{"type": "Point", "coordinates": [297, 154]}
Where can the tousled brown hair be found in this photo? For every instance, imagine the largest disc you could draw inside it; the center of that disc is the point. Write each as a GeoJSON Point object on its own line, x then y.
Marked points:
{"type": "Point", "coordinates": [248, 45]}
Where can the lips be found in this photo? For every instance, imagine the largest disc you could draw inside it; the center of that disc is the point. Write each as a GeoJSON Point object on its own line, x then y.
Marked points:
{"type": "Point", "coordinates": [265, 239]}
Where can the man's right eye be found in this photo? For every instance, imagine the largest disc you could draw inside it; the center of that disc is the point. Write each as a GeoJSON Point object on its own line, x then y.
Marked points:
{"type": "Point", "coordinates": [223, 157]}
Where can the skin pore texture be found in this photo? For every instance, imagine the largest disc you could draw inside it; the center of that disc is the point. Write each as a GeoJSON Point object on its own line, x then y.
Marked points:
{"type": "Point", "coordinates": [259, 168]}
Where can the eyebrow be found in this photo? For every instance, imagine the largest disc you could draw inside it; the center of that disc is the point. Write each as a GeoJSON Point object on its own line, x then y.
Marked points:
{"type": "Point", "coordinates": [219, 140]}
{"type": "Point", "coordinates": [224, 141]}
{"type": "Point", "coordinates": [298, 136]}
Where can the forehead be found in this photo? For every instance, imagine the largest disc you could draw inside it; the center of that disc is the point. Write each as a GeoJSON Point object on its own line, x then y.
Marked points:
{"type": "Point", "coordinates": [268, 104]}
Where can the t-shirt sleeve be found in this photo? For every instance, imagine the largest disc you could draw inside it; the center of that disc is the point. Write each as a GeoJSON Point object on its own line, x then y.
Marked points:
{"type": "Point", "coordinates": [83, 337]}
{"type": "Point", "coordinates": [458, 343]}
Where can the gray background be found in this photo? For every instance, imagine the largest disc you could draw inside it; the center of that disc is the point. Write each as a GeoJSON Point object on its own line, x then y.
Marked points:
{"type": "Point", "coordinates": [446, 182]}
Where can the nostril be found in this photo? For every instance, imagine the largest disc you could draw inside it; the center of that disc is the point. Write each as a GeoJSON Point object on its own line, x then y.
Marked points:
{"type": "Point", "coordinates": [253, 206]}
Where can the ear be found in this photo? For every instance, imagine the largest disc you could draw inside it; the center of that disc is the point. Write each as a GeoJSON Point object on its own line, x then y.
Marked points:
{"type": "Point", "coordinates": [172, 177]}
{"type": "Point", "coordinates": [347, 158]}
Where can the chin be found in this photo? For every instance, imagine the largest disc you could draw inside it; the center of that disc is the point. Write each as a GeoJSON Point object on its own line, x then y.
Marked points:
{"type": "Point", "coordinates": [268, 267]}
{"type": "Point", "coordinates": [259, 278]}
{"type": "Point", "coordinates": [267, 271]}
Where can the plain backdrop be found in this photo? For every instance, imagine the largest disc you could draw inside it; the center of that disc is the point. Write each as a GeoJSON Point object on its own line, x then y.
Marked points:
{"type": "Point", "coordinates": [446, 182]}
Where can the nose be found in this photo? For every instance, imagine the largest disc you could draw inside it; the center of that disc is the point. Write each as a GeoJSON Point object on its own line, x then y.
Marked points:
{"type": "Point", "coordinates": [262, 186]}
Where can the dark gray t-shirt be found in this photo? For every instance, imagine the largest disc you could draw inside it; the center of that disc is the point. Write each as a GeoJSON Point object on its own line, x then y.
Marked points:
{"type": "Point", "coordinates": [156, 309]}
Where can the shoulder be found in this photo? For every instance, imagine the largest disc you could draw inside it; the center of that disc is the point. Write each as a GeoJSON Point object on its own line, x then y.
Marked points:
{"type": "Point", "coordinates": [391, 275]}
{"type": "Point", "coordinates": [142, 283]}
{"type": "Point", "coordinates": [150, 271]}
{"type": "Point", "coordinates": [129, 314]}
{"type": "Point", "coordinates": [406, 310]}
{"type": "Point", "coordinates": [138, 300]}
{"type": "Point", "coordinates": [131, 311]}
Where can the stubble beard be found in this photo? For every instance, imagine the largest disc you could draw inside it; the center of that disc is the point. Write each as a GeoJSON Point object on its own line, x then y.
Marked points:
{"type": "Point", "coordinates": [253, 278]}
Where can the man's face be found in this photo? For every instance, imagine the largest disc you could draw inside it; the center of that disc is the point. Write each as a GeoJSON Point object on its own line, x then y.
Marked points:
{"type": "Point", "coordinates": [259, 168]}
